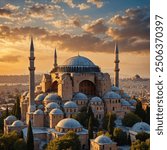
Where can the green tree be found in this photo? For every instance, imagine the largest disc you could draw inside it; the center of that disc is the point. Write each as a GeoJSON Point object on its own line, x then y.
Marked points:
{"type": "Point", "coordinates": [140, 111]}
{"type": "Point", "coordinates": [68, 141]}
{"type": "Point", "coordinates": [30, 137]}
{"type": "Point", "coordinates": [90, 128]}
{"type": "Point", "coordinates": [147, 116]}
{"type": "Point", "coordinates": [7, 111]}
{"type": "Point", "coordinates": [20, 144]}
{"type": "Point", "coordinates": [130, 119]}
{"type": "Point", "coordinates": [142, 136]}
{"type": "Point", "coordinates": [105, 133]}
{"type": "Point", "coordinates": [129, 142]}
{"type": "Point", "coordinates": [7, 140]}
{"type": "Point", "coordinates": [106, 119]}
{"type": "Point", "coordinates": [111, 124]}
{"type": "Point", "coordinates": [120, 136]}
{"type": "Point", "coordinates": [139, 145]}
{"type": "Point", "coordinates": [18, 109]}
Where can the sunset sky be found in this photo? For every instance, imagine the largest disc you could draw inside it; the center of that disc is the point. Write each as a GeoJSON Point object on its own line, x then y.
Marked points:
{"type": "Point", "coordinates": [87, 27]}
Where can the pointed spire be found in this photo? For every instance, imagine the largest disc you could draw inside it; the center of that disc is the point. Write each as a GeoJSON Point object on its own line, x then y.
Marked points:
{"type": "Point", "coordinates": [32, 44]}
{"type": "Point", "coordinates": [55, 59]}
{"type": "Point", "coordinates": [116, 48]}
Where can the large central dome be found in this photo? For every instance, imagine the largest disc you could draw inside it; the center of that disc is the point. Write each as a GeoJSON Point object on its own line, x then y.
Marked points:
{"type": "Point", "coordinates": [78, 64]}
{"type": "Point", "coordinates": [79, 61]}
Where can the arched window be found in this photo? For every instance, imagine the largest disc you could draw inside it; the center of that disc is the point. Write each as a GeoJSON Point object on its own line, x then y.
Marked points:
{"type": "Point", "coordinates": [87, 87]}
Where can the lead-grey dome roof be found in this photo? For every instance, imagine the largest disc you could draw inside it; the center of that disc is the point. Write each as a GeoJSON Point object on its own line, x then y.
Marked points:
{"type": "Point", "coordinates": [125, 102]}
{"type": "Point", "coordinates": [70, 104]}
{"type": "Point", "coordinates": [102, 139]}
{"type": "Point", "coordinates": [111, 95]}
{"type": "Point", "coordinates": [11, 118]}
{"type": "Point", "coordinates": [52, 105]}
{"type": "Point", "coordinates": [56, 111]}
{"type": "Point", "coordinates": [141, 126]}
{"type": "Point", "coordinates": [18, 123]}
{"type": "Point", "coordinates": [69, 123]}
{"type": "Point", "coordinates": [52, 97]}
{"type": "Point", "coordinates": [78, 64]}
{"type": "Point", "coordinates": [96, 99]}
{"type": "Point", "coordinates": [80, 96]}
{"type": "Point", "coordinates": [79, 61]}
{"type": "Point", "coordinates": [40, 97]}
{"type": "Point", "coordinates": [38, 112]}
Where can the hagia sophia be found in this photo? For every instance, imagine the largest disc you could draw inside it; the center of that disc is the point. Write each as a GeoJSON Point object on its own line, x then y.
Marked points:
{"type": "Point", "coordinates": [61, 94]}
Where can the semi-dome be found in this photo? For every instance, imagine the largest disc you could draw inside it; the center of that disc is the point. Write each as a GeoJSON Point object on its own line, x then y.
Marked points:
{"type": "Point", "coordinates": [80, 96]}
{"type": "Point", "coordinates": [11, 118]}
{"type": "Point", "coordinates": [40, 97]}
{"type": "Point", "coordinates": [56, 111]}
{"type": "Point", "coordinates": [96, 99]}
{"type": "Point", "coordinates": [68, 123]}
{"type": "Point", "coordinates": [53, 97]}
{"type": "Point", "coordinates": [40, 106]}
{"type": "Point", "coordinates": [78, 64]}
{"type": "Point", "coordinates": [18, 123]}
{"type": "Point", "coordinates": [38, 112]}
{"type": "Point", "coordinates": [141, 126]}
{"type": "Point", "coordinates": [115, 88]}
{"type": "Point", "coordinates": [111, 95]}
{"type": "Point", "coordinates": [52, 105]}
{"type": "Point", "coordinates": [125, 102]}
{"type": "Point", "coordinates": [70, 104]}
{"type": "Point", "coordinates": [102, 139]}
{"type": "Point", "coordinates": [132, 101]}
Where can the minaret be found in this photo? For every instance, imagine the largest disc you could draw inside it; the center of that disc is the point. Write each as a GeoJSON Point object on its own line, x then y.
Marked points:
{"type": "Point", "coordinates": [116, 70]}
{"type": "Point", "coordinates": [55, 59]}
{"type": "Point", "coordinates": [31, 77]}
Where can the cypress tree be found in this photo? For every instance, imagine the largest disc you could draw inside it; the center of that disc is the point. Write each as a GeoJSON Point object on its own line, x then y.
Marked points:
{"type": "Point", "coordinates": [7, 111]}
{"type": "Point", "coordinates": [30, 137]}
{"type": "Point", "coordinates": [18, 109]}
{"type": "Point", "coordinates": [90, 129]}
{"type": "Point", "coordinates": [111, 124]}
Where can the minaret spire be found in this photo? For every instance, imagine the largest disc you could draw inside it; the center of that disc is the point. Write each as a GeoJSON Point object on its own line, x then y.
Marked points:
{"type": "Point", "coordinates": [31, 76]}
{"type": "Point", "coordinates": [55, 59]}
{"type": "Point", "coordinates": [116, 70]}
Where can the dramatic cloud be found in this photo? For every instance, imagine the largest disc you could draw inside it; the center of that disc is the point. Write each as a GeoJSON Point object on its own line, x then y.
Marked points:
{"type": "Point", "coordinates": [10, 58]}
{"type": "Point", "coordinates": [83, 6]}
{"type": "Point", "coordinates": [7, 10]}
{"type": "Point", "coordinates": [98, 3]}
{"type": "Point", "coordinates": [97, 26]}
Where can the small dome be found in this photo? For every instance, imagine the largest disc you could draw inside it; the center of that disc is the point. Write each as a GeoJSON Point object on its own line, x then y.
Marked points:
{"type": "Point", "coordinates": [70, 104]}
{"type": "Point", "coordinates": [52, 105]}
{"type": "Point", "coordinates": [96, 99]}
{"type": "Point", "coordinates": [40, 97]}
{"type": "Point", "coordinates": [32, 108]}
{"type": "Point", "coordinates": [132, 101]}
{"type": "Point", "coordinates": [53, 97]}
{"type": "Point", "coordinates": [111, 95]}
{"type": "Point", "coordinates": [69, 123]}
{"type": "Point", "coordinates": [80, 96]}
{"type": "Point", "coordinates": [18, 123]}
{"type": "Point", "coordinates": [141, 126]}
{"type": "Point", "coordinates": [56, 111]}
{"type": "Point", "coordinates": [38, 112]}
{"type": "Point", "coordinates": [125, 95]}
{"type": "Point", "coordinates": [102, 139]}
{"type": "Point", "coordinates": [125, 102]}
{"type": "Point", "coordinates": [115, 88]}
{"type": "Point", "coordinates": [11, 118]}
{"type": "Point", "coordinates": [40, 106]}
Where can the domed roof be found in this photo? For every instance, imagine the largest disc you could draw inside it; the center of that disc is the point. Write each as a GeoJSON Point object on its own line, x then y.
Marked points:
{"type": "Point", "coordinates": [80, 96]}
{"type": "Point", "coordinates": [141, 126]}
{"type": "Point", "coordinates": [18, 123]}
{"type": "Point", "coordinates": [132, 101]}
{"type": "Point", "coordinates": [70, 104]}
{"type": "Point", "coordinates": [125, 95]}
{"type": "Point", "coordinates": [115, 88]}
{"type": "Point", "coordinates": [69, 123]}
{"type": "Point", "coordinates": [38, 112]}
{"type": "Point", "coordinates": [11, 118]}
{"type": "Point", "coordinates": [40, 106]}
{"type": "Point", "coordinates": [96, 99]}
{"type": "Point", "coordinates": [111, 95]}
{"type": "Point", "coordinates": [102, 139]}
{"type": "Point", "coordinates": [56, 111]}
{"type": "Point", "coordinates": [52, 97]}
{"type": "Point", "coordinates": [40, 97]}
{"type": "Point", "coordinates": [52, 105]}
{"type": "Point", "coordinates": [125, 102]}
{"type": "Point", "coordinates": [79, 61]}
